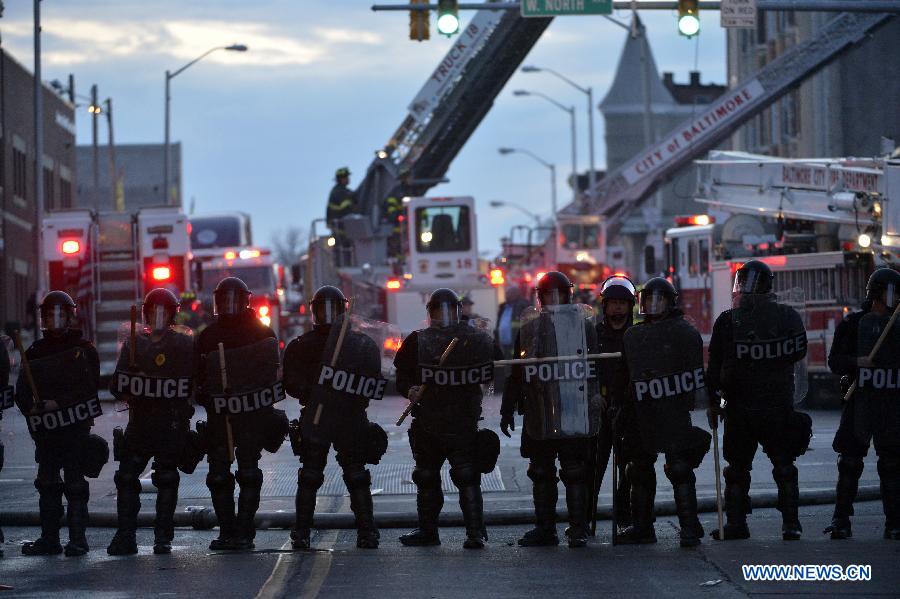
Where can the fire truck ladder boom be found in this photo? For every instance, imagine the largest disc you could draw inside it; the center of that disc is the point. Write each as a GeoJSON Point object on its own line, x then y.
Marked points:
{"type": "Point", "coordinates": [628, 185]}
{"type": "Point", "coordinates": [419, 153]}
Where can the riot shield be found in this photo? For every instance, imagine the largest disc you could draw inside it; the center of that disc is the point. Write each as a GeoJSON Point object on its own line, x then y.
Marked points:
{"type": "Point", "coordinates": [766, 336]}
{"type": "Point", "coordinates": [665, 363]}
{"type": "Point", "coordinates": [244, 379]}
{"type": "Point", "coordinates": [7, 369]}
{"type": "Point", "coordinates": [876, 401]}
{"type": "Point", "coordinates": [561, 385]}
{"type": "Point", "coordinates": [161, 366]}
{"type": "Point", "coordinates": [68, 380]}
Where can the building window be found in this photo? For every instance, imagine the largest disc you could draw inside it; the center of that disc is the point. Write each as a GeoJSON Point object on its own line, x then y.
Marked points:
{"type": "Point", "coordinates": [65, 193]}
{"type": "Point", "coordinates": [48, 189]}
{"type": "Point", "coordinates": [20, 173]}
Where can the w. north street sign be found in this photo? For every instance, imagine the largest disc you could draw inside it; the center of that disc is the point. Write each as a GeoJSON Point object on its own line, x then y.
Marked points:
{"type": "Point", "coordinates": [556, 8]}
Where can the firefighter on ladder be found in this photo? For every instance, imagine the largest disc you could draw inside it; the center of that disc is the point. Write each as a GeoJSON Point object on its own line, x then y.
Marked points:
{"type": "Point", "coordinates": [341, 202]}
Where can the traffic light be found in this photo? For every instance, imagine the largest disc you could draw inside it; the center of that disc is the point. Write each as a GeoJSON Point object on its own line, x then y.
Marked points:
{"type": "Point", "coordinates": [418, 23]}
{"type": "Point", "coordinates": [448, 17]}
{"type": "Point", "coordinates": [688, 17]}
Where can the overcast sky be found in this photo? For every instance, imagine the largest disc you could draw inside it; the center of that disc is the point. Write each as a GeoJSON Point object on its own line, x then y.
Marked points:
{"type": "Point", "coordinates": [325, 84]}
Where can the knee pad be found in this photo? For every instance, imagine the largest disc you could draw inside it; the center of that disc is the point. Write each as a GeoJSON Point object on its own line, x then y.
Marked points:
{"type": "Point", "coordinates": [48, 486]}
{"type": "Point", "coordinates": [165, 479]}
{"type": "Point", "coordinates": [465, 476]}
{"type": "Point", "coordinates": [357, 479]}
{"type": "Point", "coordinates": [310, 478]}
{"type": "Point", "coordinates": [541, 471]}
{"type": "Point", "coordinates": [850, 465]}
{"type": "Point", "coordinates": [426, 478]}
{"type": "Point", "coordinates": [640, 473]}
{"type": "Point", "coordinates": [736, 475]}
{"type": "Point", "coordinates": [889, 466]}
{"type": "Point", "coordinates": [249, 477]}
{"type": "Point", "coordinates": [679, 472]}
{"type": "Point", "coordinates": [220, 481]}
{"type": "Point", "coordinates": [784, 471]}
{"type": "Point", "coordinates": [127, 480]}
{"type": "Point", "coordinates": [573, 473]}
{"type": "Point", "coordinates": [77, 490]}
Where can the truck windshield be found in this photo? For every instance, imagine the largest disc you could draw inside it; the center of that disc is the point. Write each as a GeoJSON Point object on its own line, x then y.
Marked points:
{"type": "Point", "coordinates": [260, 279]}
{"type": "Point", "coordinates": [215, 231]}
{"type": "Point", "coordinates": [442, 229]}
{"type": "Point", "coordinates": [577, 236]}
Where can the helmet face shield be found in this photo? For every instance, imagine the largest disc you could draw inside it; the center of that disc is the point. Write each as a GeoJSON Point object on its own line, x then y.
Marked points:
{"type": "Point", "coordinates": [654, 303]}
{"type": "Point", "coordinates": [890, 295]}
{"type": "Point", "coordinates": [617, 288]}
{"type": "Point", "coordinates": [749, 281]}
{"type": "Point", "coordinates": [326, 311]}
{"type": "Point", "coordinates": [554, 297]}
{"type": "Point", "coordinates": [230, 302]}
{"type": "Point", "coordinates": [55, 319]}
{"type": "Point", "coordinates": [157, 317]}
{"type": "Point", "coordinates": [444, 314]}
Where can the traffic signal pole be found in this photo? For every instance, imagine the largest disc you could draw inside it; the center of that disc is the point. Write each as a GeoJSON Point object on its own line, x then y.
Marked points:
{"type": "Point", "coordinates": [883, 6]}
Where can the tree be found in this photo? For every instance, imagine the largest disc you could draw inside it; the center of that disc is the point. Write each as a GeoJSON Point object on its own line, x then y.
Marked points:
{"type": "Point", "coordinates": [289, 244]}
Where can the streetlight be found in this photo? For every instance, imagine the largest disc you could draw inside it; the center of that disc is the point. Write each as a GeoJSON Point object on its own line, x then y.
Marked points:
{"type": "Point", "coordinates": [571, 111]}
{"type": "Point", "coordinates": [589, 92]}
{"type": "Point", "coordinates": [552, 167]}
{"type": "Point", "coordinates": [169, 77]}
{"type": "Point", "coordinates": [523, 209]}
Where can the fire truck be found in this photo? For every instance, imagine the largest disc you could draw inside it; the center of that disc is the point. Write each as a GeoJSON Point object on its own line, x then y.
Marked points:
{"type": "Point", "coordinates": [822, 225]}
{"type": "Point", "coordinates": [108, 261]}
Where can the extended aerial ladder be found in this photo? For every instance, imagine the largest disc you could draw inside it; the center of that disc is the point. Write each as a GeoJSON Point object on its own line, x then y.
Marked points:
{"type": "Point", "coordinates": [627, 186]}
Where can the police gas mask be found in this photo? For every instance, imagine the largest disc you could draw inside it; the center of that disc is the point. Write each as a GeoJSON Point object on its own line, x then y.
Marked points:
{"type": "Point", "coordinates": [56, 320]}
{"type": "Point", "coordinates": [230, 303]}
{"type": "Point", "coordinates": [327, 311]}
{"type": "Point", "coordinates": [444, 314]}
{"type": "Point", "coordinates": [655, 304]}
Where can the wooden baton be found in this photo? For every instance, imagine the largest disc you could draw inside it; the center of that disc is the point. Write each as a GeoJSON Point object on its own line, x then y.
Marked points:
{"type": "Point", "coordinates": [229, 435]}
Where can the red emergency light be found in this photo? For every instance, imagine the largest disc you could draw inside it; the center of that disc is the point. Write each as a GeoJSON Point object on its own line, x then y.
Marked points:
{"type": "Point", "coordinates": [392, 344]}
{"type": "Point", "coordinates": [70, 246]}
{"type": "Point", "coordinates": [161, 273]}
{"type": "Point", "coordinates": [230, 255]}
{"type": "Point", "coordinates": [694, 220]}
{"type": "Point", "coordinates": [393, 284]}
{"type": "Point", "coordinates": [497, 277]}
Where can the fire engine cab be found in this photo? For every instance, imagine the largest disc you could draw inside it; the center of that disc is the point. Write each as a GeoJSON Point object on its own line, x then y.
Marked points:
{"type": "Point", "coordinates": [108, 261]}
{"type": "Point", "coordinates": [821, 225]}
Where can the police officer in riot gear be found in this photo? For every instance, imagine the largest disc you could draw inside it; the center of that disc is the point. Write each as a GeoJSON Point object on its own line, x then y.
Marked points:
{"type": "Point", "coordinates": [303, 362]}
{"type": "Point", "coordinates": [553, 290]}
{"type": "Point", "coordinates": [752, 354]}
{"type": "Point", "coordinates": [159, 420]}
{"type": "Point", "coordinates": [236, 327]}
{"type": "Point", "coordinates": [849, 354]}
{"type": "Point", "coordinates": [617, 300]}
{"type": "Point", "coordinates": [664, 355]}
{"type": "Point", "coordinates": [66, 369]}
{"type": "Point", "coordinates": [445, 414]}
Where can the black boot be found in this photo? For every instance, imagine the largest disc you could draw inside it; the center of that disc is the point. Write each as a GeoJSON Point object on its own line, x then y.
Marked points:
{"type": "Point", "coordinates": [166, 482]}
{"type": "Point", "coordinates": [308, 482]}
{"type": "Point", "coordinates": [623, 501]}
{"type": "Point", "coordinates": [221, 491]}
{"type": "Point", "coordinates": [359, 484]}
{"type": "Point", "coordinates": [250, 481]}
{"type": "Point", "coordinates": [737, 504]}
{"type": "Point", "coordinates": [128, 505]}
{"type": "Point", "coordinates": [429, 501]}
{"type": "Point", "coordinates": [849, 468]}
{"type": "Point", "coordinates": [889, 473]}
{"type": "Point", "coordinates": [77, 495]}
{"type": "Point", "coordinates": [643, 497]}
{"type": "Point", "coordinates": [472, 505]}
{"type": "Point", "coordinates": [51, 510]}
{"type": "Point", "coordinates": [686, 507]}
{"type": "Point", "coordinates": [576, 502]}
{"type": "Point", "coordinates": [785, 475]}
{"type": "Point", "coordinates": [545, 494]}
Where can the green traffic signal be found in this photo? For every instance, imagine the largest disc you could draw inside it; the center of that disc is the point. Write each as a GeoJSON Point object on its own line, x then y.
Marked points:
{"type": "Point", "coordinates": [688, 17]}
{"type": "Point", "coordinates": [448, 17]}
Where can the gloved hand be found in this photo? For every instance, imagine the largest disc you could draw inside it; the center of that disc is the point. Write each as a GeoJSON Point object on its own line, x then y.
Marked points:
{"type": "Point", "coordinates": [715, 412]}
{"type": "Point", "coordinates": [415, 394]}
{"type": "Point", "coordinates": [507, 423]}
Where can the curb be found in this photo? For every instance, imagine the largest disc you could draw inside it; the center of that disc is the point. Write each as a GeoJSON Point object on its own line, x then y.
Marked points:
{"type": "Point", "coordinates": [205, 518]}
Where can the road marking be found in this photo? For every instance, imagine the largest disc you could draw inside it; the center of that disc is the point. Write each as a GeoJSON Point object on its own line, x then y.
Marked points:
{"type": "Point", "coordinates": [275, 585]}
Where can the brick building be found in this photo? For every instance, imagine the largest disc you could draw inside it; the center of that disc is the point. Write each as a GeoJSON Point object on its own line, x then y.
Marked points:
{"type": "Point", "coordinates": [18, 229]}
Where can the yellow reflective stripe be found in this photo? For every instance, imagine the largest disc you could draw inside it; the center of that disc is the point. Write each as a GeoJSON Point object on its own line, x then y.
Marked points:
{"type": "Point", "coordinates": [341, 206]}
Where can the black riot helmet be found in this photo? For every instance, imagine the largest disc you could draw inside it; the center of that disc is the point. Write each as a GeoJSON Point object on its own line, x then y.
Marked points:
{"type": "Point", "coordinates": [884, 284]}
{"type": "Point", "coordinates": [443, 307]}
{"type": "Point", "coordinates": [658, 297]}
{"type": "Point", "coordinates": [159, 309]}
{"type": "Point", "coordinates": [327, 304]}
{"type": "Point", "coordinates": [57, 311]}
{"type": "Point", "coordinates": [754, 277]}
{"type": "Point", "coordinates": [617, 287]}
{"type": "Point", "coordinates": [231, 298]}
{"type": "Point", "coordinates": [554, 288]}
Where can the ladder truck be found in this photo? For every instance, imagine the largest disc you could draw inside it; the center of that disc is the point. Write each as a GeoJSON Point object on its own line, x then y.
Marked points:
{"type": "Point", "coordinates": [822, 225]}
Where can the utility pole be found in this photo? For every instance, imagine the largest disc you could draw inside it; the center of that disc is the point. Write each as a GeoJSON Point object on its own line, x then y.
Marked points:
{"type": "Point", "coordinates": [38, 156]}
{"type": "Point", "coordinates": [95, 111]}
{"type": "Point", "coordinates": [592, 177]}
{"type": "Point", "coordinates": [113, 171]}
{"type": "Point", "coordinates": [166, 149]}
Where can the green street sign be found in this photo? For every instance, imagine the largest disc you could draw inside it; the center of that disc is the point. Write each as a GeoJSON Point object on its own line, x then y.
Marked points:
{"type": "Point", "coordinates": [557, 8]}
